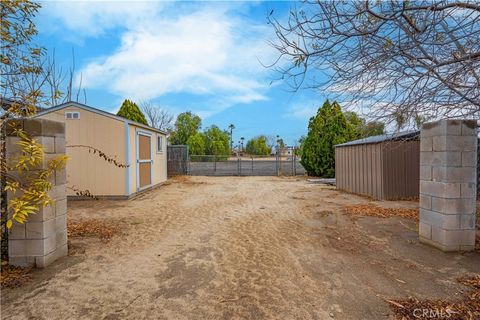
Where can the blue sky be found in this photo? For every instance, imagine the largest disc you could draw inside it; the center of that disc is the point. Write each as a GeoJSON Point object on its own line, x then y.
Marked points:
{"type": "Point", "coordinates": [198, 56]}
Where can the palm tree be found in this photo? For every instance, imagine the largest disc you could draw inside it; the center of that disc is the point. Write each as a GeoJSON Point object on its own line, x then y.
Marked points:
{"type": "Point", "coordinates": [231, 127]}
{"type": "Point", "coordinates": [277, 146]}
{"type": "Point", "coordinates": [242, 138]}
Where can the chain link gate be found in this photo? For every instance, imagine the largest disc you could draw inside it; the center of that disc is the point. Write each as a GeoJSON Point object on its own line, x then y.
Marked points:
{"type": "Point", "coordinates": [278, 165]}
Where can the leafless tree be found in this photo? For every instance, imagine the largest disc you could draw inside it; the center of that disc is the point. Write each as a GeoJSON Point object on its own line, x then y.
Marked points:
{"type": "Point", "coordinates": [55, 76]}
{"type": "Point", "coordinates": [60, 83]}
{"type": "Point", "coordinates": [271, 141]}
{"type": "Point", "coordinates": [404, 58]}
{"type": "Point", "coordinates": [46, 83]}
{"type": "Point", "coordinates": [157, 117]}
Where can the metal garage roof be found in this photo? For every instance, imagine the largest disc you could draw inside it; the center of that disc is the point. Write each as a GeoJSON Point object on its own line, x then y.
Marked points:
{"type": "Point", "coordinates": [382, 138]}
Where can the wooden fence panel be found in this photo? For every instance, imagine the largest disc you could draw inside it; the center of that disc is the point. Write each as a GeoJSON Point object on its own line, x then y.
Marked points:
{"type": "Point", "coordinates": [177, 160]}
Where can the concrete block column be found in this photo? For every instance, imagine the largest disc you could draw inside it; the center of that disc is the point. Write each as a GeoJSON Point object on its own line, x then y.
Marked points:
{"type": "Point", "coordinates": [448, 161]}
{"type": "Point", "coordinates": [43, 238]}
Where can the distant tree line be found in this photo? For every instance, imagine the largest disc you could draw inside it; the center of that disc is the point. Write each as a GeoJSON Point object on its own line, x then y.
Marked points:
{"type": "Point", "coordinates": [185, 131]}
{"type": "Point", "coordinates": [211, 141]}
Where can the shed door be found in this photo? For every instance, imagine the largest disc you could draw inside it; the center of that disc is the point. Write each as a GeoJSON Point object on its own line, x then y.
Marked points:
{"type": "Point", "coordinates": [144, 160]}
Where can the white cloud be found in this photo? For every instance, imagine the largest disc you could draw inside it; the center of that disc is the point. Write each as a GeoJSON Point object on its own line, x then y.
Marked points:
{"type": "Point", "coordinates": [207, 50]}
{"type": "Point", "coordinates": [89, 18]}
{"type": "Point", "coordinates": [303, 109]}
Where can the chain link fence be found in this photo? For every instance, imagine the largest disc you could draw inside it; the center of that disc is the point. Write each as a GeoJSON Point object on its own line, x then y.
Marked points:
{"type": "Point", "coordinates": [211, 165]}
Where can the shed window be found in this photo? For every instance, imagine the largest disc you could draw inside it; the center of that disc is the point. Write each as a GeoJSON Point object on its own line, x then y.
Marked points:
{"type": "Point", "coordinates": [72, 115]}
{"type": "Point", "coordinates": [159, 143]}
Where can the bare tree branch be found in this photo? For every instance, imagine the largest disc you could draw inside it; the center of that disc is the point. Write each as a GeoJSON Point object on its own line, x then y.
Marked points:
{"type": "Point", "coordinates": [157, 117]}
{"type": "Point", "coordinates": [415, 58]}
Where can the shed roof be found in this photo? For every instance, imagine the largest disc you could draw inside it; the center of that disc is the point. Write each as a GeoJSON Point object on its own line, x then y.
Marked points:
{"type": "Point", "coordinates": [98, 111]}
{"type": "Point", "coordinates": [405, 135]}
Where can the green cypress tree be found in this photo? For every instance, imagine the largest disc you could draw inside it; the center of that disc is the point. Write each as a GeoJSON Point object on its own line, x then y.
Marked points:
{"type": "Point", "coordinates": [131, 111]}
{"type": "Point", "coordinates": [328, 128]}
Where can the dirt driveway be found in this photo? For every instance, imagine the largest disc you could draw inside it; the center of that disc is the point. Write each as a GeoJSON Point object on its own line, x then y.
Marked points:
{"type": "Point", "coordinates": [238, 248]}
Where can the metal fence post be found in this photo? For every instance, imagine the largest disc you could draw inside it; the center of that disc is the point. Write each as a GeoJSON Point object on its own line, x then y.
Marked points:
{"type": "Point", "coordinates": [187, 161]}
{"type": "Point", "coordinates": [276, 164]}
{"type": "Point", "coordinates": [214, 163]}
{"type": "Point", "coordinates": [294, 164]}
{"type": "Point", "coordinates": [239, 165]}
{"type": "Point", "coordinates": [188, 164]}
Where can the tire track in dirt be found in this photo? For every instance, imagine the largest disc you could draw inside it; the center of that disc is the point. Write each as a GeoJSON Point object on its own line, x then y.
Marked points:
{"type": "Point", "coordinates": [261, 277]}
{"type": "Point", "coordinates": [232, 248]}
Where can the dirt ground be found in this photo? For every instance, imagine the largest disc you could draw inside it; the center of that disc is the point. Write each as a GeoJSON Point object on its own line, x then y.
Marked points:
{"type": "Point", "coordinates": [239, 248]}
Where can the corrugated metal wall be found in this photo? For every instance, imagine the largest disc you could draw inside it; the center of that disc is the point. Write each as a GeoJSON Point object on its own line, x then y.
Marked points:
{"type": "Point", "coordinates": [478, 167]}
{"type": "Point", "coordinates": [359, 169]}
{"type": "Point", "coordinates": [401, 169]}
{"type": "Point", "coordinates": [387, 170]}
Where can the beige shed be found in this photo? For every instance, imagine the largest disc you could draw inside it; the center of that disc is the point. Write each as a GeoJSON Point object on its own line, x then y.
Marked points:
{"type": "Point", "coordinates": [385, 167]}
{"type": "Point", "coordinates": [141, 148]}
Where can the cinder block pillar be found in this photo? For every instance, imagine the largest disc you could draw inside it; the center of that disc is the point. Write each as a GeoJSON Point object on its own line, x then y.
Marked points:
{"type": "Point", "coordinates": [43, 238]}
{"type": "Point", "coordinates": [448, 160]}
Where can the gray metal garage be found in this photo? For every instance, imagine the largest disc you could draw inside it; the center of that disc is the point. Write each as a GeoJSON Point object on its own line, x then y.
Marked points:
{"type": "Point", "coordinates": [385, 167]}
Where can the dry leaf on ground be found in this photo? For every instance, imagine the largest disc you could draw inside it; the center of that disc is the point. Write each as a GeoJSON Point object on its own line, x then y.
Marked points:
{"type": "Point", "coordinates": [12, 277]}
{"type": "Point", "coordinates": [91, 228]}
{"type": "Point", "coordinates": [373, 210]}
{"type": "Point", "coordinates": [468, 307]}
